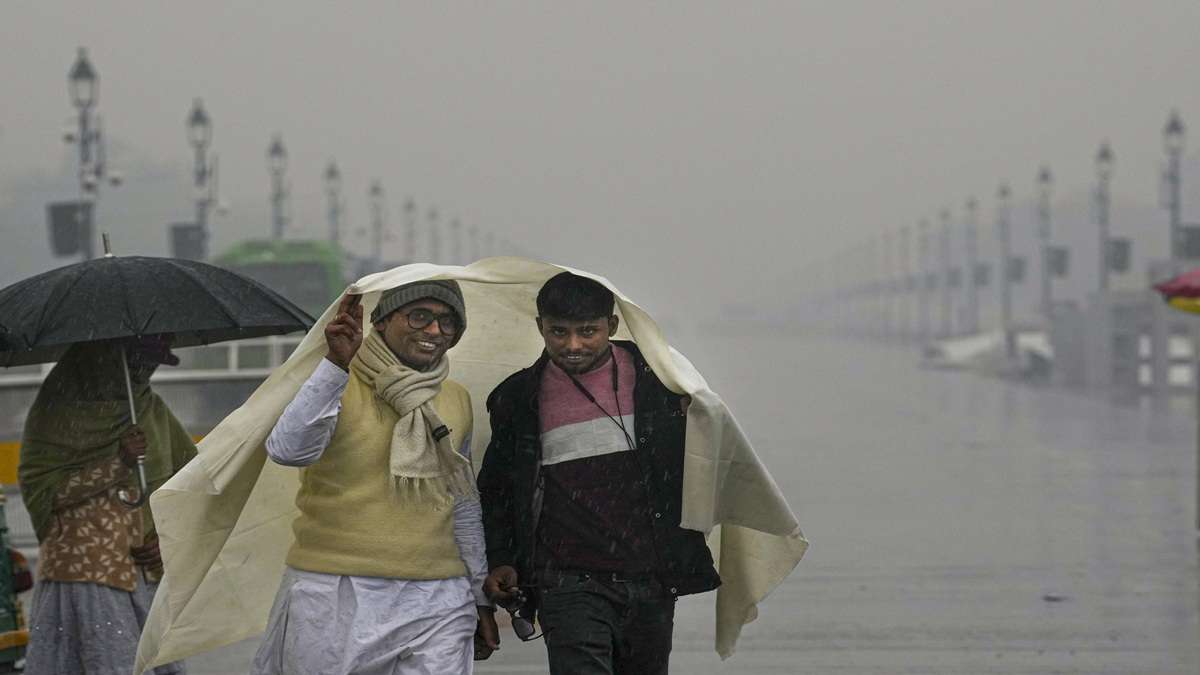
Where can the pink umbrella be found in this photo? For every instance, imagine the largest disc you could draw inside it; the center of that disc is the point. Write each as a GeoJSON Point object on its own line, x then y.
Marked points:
{"type": "Point", "coordinates": [1182, 292]}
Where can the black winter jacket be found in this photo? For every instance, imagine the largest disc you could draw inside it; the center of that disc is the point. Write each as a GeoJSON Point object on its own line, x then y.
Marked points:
{"type": "Point", "coordinates": [510, 482]}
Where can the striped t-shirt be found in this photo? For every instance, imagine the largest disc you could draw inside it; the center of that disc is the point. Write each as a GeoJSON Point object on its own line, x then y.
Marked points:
{"type": "Point", "coordinates": [594, 513]}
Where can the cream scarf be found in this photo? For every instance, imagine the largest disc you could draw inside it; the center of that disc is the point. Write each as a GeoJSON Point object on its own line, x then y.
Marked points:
{"type": "Point", "coordinates": [423, 463]}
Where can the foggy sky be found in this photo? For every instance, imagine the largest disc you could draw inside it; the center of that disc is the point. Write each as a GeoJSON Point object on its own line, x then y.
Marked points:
{"type": "Point", "coordinates": [630, 139]}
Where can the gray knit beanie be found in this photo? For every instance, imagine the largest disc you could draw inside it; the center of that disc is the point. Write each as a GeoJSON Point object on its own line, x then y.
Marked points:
{"type": "Point", "coordinates": [442, 290]}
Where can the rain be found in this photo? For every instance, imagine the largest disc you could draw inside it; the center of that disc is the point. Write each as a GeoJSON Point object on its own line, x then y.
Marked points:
{"type": "Point", "coordinates": [932, 255]}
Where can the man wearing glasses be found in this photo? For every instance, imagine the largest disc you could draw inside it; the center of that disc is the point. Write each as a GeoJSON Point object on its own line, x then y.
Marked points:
{"type": "Point", "coordinates": [386, 570]}
{"type": "Point", "coordinates": [581, 490]}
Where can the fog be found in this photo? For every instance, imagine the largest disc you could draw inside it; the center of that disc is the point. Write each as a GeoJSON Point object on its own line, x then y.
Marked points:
{"type": "Point", "coordinates": [712, 159]}
{"type": "Point", "coordinates": [638, 140]}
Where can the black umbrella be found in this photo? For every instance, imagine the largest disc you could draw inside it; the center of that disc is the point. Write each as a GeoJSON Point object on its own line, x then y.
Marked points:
{"type": "Point", "coordinates": [117, 297]}
{"type": "Point", "coordinates": [121, 297]}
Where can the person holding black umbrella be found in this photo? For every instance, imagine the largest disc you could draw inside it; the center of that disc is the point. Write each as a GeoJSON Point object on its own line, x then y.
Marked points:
{"type": "Point", "coordinates": [80, 452]}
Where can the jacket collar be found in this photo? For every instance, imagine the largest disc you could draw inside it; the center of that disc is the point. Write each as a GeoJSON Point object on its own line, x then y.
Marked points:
{"type": "Point", "coordinates": [533, 380]}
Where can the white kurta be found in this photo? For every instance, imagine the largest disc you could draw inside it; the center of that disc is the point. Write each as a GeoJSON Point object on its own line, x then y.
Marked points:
{"type": "Point", "coordinates": [337, 625]}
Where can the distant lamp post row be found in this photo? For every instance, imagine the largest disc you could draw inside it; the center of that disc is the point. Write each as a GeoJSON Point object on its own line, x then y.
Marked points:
{"type": "Point", "coordinates": [378, 232]}
{"type": "Point", "coordinates": [897, 276]}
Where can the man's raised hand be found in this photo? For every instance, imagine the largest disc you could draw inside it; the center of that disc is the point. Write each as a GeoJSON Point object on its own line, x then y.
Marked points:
{"type": "Point", "coordinates": [343, 335]}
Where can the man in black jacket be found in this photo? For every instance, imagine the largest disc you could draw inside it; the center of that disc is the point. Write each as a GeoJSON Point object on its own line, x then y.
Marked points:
{"type": "Point", "coordinates": [581, 492]}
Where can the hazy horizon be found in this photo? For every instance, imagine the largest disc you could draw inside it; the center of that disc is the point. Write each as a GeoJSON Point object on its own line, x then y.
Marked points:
{"type": "Point", "coordinates": [643, 142]}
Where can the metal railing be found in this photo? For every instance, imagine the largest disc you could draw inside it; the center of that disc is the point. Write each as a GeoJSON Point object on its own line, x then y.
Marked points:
{"type": "Point", "coordinates": [239, 359]}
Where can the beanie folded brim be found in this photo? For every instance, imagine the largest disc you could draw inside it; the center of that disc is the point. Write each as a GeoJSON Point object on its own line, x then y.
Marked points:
{"type": "Point", "coordinates": [442, 290]}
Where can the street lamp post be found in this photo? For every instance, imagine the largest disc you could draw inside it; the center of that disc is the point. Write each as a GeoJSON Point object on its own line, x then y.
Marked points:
{"type": "Point", "coordinates": [377, 225]}
{"type": "Point", "coordinates": [905, 319]}
{"type": "Point", "coordinates": [204, 172]}
{"type": "Point", "coordinates": [1104, 168]}
{"type": "Point", "coordinates": [333, 197]}
{"type": "Point", "coordinates": [456, 243]}
{"type": "Point", "coordinates": [435, 237]}
{"type": "Point", "coordinates": [410, 229]}
{"type": "Point", "coordinates": [1173, 137]}
{"type": "Point", "coordinates": [277, 167]}
{"type": "Point", "coordinates": [887, 286]}
{"type": "Point", "coordinates": [923, 309]}
{"type": "Point", "coordinates": [944, 245]}
{"type": "Point", "coordinates": [1004, 233]}
{"type": "Point", "coordinates": [83, 85]}
{"type": "Point", "coordinates": [1045, 186]}
{"type": "Point", "coordinates": [971, 241]}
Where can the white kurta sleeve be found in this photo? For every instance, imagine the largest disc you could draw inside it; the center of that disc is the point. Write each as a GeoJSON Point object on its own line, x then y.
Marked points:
{"type": "Point", "coordinates": [468, 534]}
{"type": "Point", "coordinates": [303, 431]}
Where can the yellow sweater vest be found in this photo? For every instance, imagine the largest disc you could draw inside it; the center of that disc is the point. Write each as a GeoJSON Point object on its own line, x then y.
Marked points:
{"type": "Point", "coordinates": [351, 520]}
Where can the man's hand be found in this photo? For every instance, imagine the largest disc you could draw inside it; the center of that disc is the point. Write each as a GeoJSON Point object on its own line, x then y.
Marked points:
{"type": "Point", "coordinates": [147, 555]}
{"type": "Point", "coordinates": [343, 334]}
{"type": "Point", "coordinates": [685, 402]}
{"type": "Point", "coordinates": [131, 446]}
{"type": "Point", "coordinates": [487, 635]}
{"type": "Point", "coordinates": [500, 583]}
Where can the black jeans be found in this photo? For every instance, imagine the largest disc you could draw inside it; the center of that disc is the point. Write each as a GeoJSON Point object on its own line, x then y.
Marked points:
{"type": "Point", "coordinates": [596, 624]}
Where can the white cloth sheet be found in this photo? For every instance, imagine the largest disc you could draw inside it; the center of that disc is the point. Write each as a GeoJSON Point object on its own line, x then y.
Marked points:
{"type": "Point", "coordinates": [224, 521]}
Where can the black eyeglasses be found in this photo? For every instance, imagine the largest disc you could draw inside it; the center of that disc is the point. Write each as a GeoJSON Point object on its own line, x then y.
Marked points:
{"type": "Point", "coordinates": [420, 318]}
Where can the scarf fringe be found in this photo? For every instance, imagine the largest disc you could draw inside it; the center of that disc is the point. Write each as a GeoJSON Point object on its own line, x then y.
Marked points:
{"type": "Point", "coordinates": [425, 467]}
{"type": "Point", "coordinates": [437, 493]}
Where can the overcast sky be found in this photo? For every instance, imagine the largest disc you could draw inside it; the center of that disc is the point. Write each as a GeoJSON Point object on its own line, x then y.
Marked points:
{"type": "Point", "coordinates": [687, 150]}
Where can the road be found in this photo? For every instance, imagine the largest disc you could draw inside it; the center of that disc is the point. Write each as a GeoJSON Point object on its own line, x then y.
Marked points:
{"type": "Point", "coordinates": [959, 524]}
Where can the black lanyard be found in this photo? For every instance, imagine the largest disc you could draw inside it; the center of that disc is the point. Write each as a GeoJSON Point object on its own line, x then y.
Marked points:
{"type": "Point", "coordinates": [616, 385]}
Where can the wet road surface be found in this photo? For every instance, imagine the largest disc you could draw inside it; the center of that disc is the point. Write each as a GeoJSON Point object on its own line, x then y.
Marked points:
{"type": "Point", "coordinates": [959, 524]}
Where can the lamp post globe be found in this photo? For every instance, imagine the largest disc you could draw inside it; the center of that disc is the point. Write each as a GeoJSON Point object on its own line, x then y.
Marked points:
{"type": "Point", "coordinates": [83, 82]}
{"type": "Point", "coordinates": [276, 155]}
{"type": "Point", "coordinates": [1104, 162]}
{"type": "Point", "coordinates": [333, 178]}
{"type": "Point", "coordinates": [1173, 134]}
{"type": "Point", "coordinates": [199, 126]}
{"type": "Point", "coordinates": [1045, 181]}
